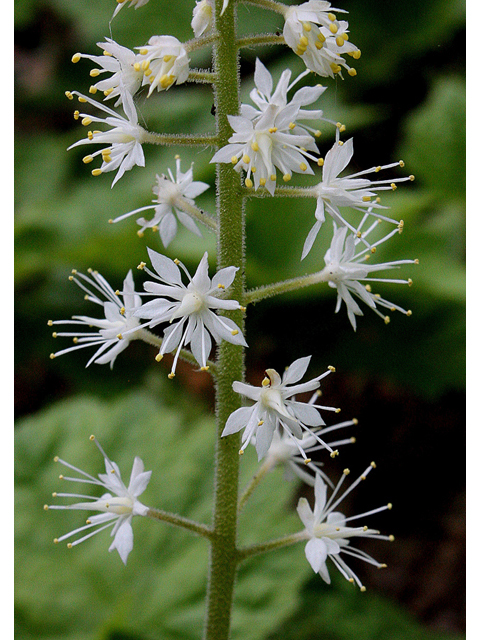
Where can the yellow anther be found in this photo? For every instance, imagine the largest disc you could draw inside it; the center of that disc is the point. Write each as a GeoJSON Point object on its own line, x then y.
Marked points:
{"type": "Point", "coordinates": [411, 178]}
{"type": "Point", "coordinates": [303, 166]}
{"type": "Point", "coordinates": [143, 52]}
{"type": "Point", "coordinates": [82, 99]}
{"type": "Point", "coordinates": [266, 382]}
{"type": "Point", "coordinates": [206, 368]}
{"type": "Point", "coordinates": [263, 182]}
{"type": "Point", "coordinates": [377, 169]}
{"type": "Point", "coordinates": [75, 340]}
{"type": "Point", "coordinates": [334, 454]}
{"type": "Point", "coordinates": [148, 72]}
{"type": "Point", "coordinates": [373, 465]}
{"type": "Point", "coordinates": [260, 422]}
{"type": "Point", "coordinates": [303, 42]}
{"type": "Point", "coordinates": [387, 320]}
{"type": "Point", "coordinates": [273, 130]}
{"type": "Point", "coordinates": [332, 17]}
{"type": "Point", "coordinates": [234, 159]}
{"type": "Point", "coordinates": [345, 36]}
{"type": "Point", "coordinates": [356, 54]}
{"type": "Point", "coordinates": [352, 72]}
{"type": "Point", "coordinates": [319, 45]}
{"type": "Point", "coordinates": [154, 229]}
{"type": "Point", "coordinates": [86, 121]}
{"type": "Point", "coordinates": [292, 125]}
{"type": "Point", "coordinates": [122, 311]}
{"type": "Point", "coordinates": [69, 95]}
{"type": "Point", "coordinates": [337, 410]}
{"type": "Point", "coordinates": [144, 65]}
{"type": "Point", "coordinates": [401, 163]}
{"type": "Point", "coordinates": [94, 73]}
{"type": "Point", "coordinates": [76, 114]}
{"type": "Point", "coordinates": [340, 41]}
{"type": "Point", "coordinates": [254, 146]}
{"type": "Point", "coordinates": [241, 452]}
{"type": "Point", "coordinates": [320, 162]}
{"type": "Point", "coordinates": [107, 92]}
{"type": "Point", "coordinates": [333, 28]}
{"type": "Point", "coordinates": [176, 261]}
{"type": "Point", "coordinates": [45, 507]}
{"type": "Point", "coordinates": [167, 58]}
{"type": "Point", "coordinates": [136, 66]}
{"type": "Point", "coordinates": [96, 172]}
{"type": "Point", "coordinates": [409, 282]}
{"type": "Point", "coordinates": [92, 89]}
{"type": "Point", "coordinates": [393, 186]}
{"type": "Point", "coordinates": [307, 26]}
{"type": "Point", "coordinates": [76, 57]}
{"type": "Point", "coordinates": [107, 53]}
{"type": "Point", "coordinates": [171, 375]}
{"type": "Point", "coordinates": [287, 177]}
{"type": "Point", "coordinates": [54, 334]}
{"type": "Point", "coordinates": [391, 538]}
{"type": "Point", "coordinates": [167, 81]}
{"type": "Point", "coordinates": [363, 589]}
{"type": "Point", "coordinates": [87, 159]}
{"type": "Point", "coordinates": [248, 183]}
{"type": "Point", "coordinates": [416, 261]}
{"type": "Point", "coordinates": [353, 440]}
{"type": "Point", "coordinates": [374, 249]}
{"type": "Point", "coordinates": [300, 51]}
{"type": "Point", "coordinates": [317, 133]}
{"type": "Point", "coordinates": [246, 159]}
{"type": "Point", "coordinates": [158, 357]}
{"type": "Point", "coordinates": [332, 369]}
{"type": "Point", "coordinates": [234, 332]}
{"type": "Point", "coordinates": [366, 198]}
{"type": "Point", "coordinates": [346, 472]}
{"type": "Point", "coordinates": [273, 177]}
{"type": "Point", "coordinates": [243, 308]}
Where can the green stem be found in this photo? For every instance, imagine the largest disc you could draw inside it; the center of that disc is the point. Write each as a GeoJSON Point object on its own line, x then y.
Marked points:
{"type": "Point", "coordinates": [278, 7]}
{"type": "Point", "coordinates": [230, 361]}
{"type": "Point", "coordinates": [255, 481]}
{"type": "Point", "coordinates": [262, 39]}
{"type": "Point", "coordinates": [270, 290]}
{"type": "Point", "coordinates": [178, 521]}
{"type": "Point", "coordinates": [150, 137]}
{"type": "Point", "coordinates": [198, 214]}
{"type": "Point", "coordinates": [257, 549]}
{"type": "Point", "coordinates": [205, 77]}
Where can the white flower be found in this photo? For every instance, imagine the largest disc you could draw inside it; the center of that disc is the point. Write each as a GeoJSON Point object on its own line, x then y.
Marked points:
{"type": "Point", "coordinates": [122, 63]}
{"type": "Point", "coordinates": [117, 507]}
{"type": "Point", "coordinates": [284, 451]}
{"type": "Point", "coordinates": [346, 270]}
{"type": "Point", "coordinates": [124, 139]}
{"type": "Point", "coordinates": [264, 96]}
{"type": "Point", "coordinates": [133, 3]}
{"type": "Point", "coordinates": [164, 62]}
{"type": "Point", "coordinates": [118, 319]}
{"type": "Point", "coordinates": [262, 146]}
{"type": "Point", "coordinates": [172, 194]}
{"type": "Point", "coordinates": [314, 33]}
{"type": "Point", "coordinates": [355, 191]}
{"type": "Point", "coordinates": [191, 305]}
{"type": "Point", "coordinates": [275, 408]}
{"type": "Point", "coordinates": [202, 21]}
{"type": "Point", "coordinates": [328, 532]}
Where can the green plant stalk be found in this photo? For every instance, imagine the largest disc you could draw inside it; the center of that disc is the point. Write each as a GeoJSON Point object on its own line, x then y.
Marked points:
{"type": "Point", "coordinates": [230, 358]}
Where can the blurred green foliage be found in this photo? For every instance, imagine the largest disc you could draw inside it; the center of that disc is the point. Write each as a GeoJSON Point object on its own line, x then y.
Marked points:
{"type": "Point", "coordinates": [407, 101]}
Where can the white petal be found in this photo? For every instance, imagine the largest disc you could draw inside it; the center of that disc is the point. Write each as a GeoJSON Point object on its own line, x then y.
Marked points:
{"type": "Point", "coordinates": [316, 552]}
{"type": "Point", "coordinates": [123, 541]}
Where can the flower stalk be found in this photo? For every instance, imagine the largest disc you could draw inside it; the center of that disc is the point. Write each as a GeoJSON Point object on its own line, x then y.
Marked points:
{"type": "Point", "coordinates": [230, 361]}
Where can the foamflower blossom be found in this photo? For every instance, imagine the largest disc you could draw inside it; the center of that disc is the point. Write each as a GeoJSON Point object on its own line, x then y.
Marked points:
{"type": "Point", "coordinates": [329, 531]}
{"type": "Point", "coordinates": [355, 191]}
{"type": "Point", "coordinates": [123, 140]}
{"type": "Point", "coordinates": [284, 451]}
{"type": "Point", "coordinates": [315, 34]}
{"type": "Point", "coordinates": [274, 408]}
{"type": "Point", "coordinates": [261, 146]}
{"type": "Point", "coordinates": [174, 198]}
{"type": "Point", "coordinates": [118, 318]}
{"type": "Point", "coordinates": [348, 271]}
{"type": "Point", "coordinates": [264, 95]}
{"type": "Point", "coordinates": [133, 3]}
{"type": "Point", "coordinates": [202, 20]}
{"type": "Point", "coordinates": [122, 63]}
{"type": "Point", "coordinates": [164, 61]}
{"type": "Point", "coordinates": [189, 310]}
{"type": "Point", "coordinates": [117, 506]}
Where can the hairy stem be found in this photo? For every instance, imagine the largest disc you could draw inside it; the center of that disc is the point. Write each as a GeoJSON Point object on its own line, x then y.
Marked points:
{"type": "Point", "coordinates": [230, 361]}
{"type": "Point", "coordinates": [178, 521]}
{"type": "Point", "coordinates": [270, 290]}
{"type": "Point", "coordinates": [257, 549]}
